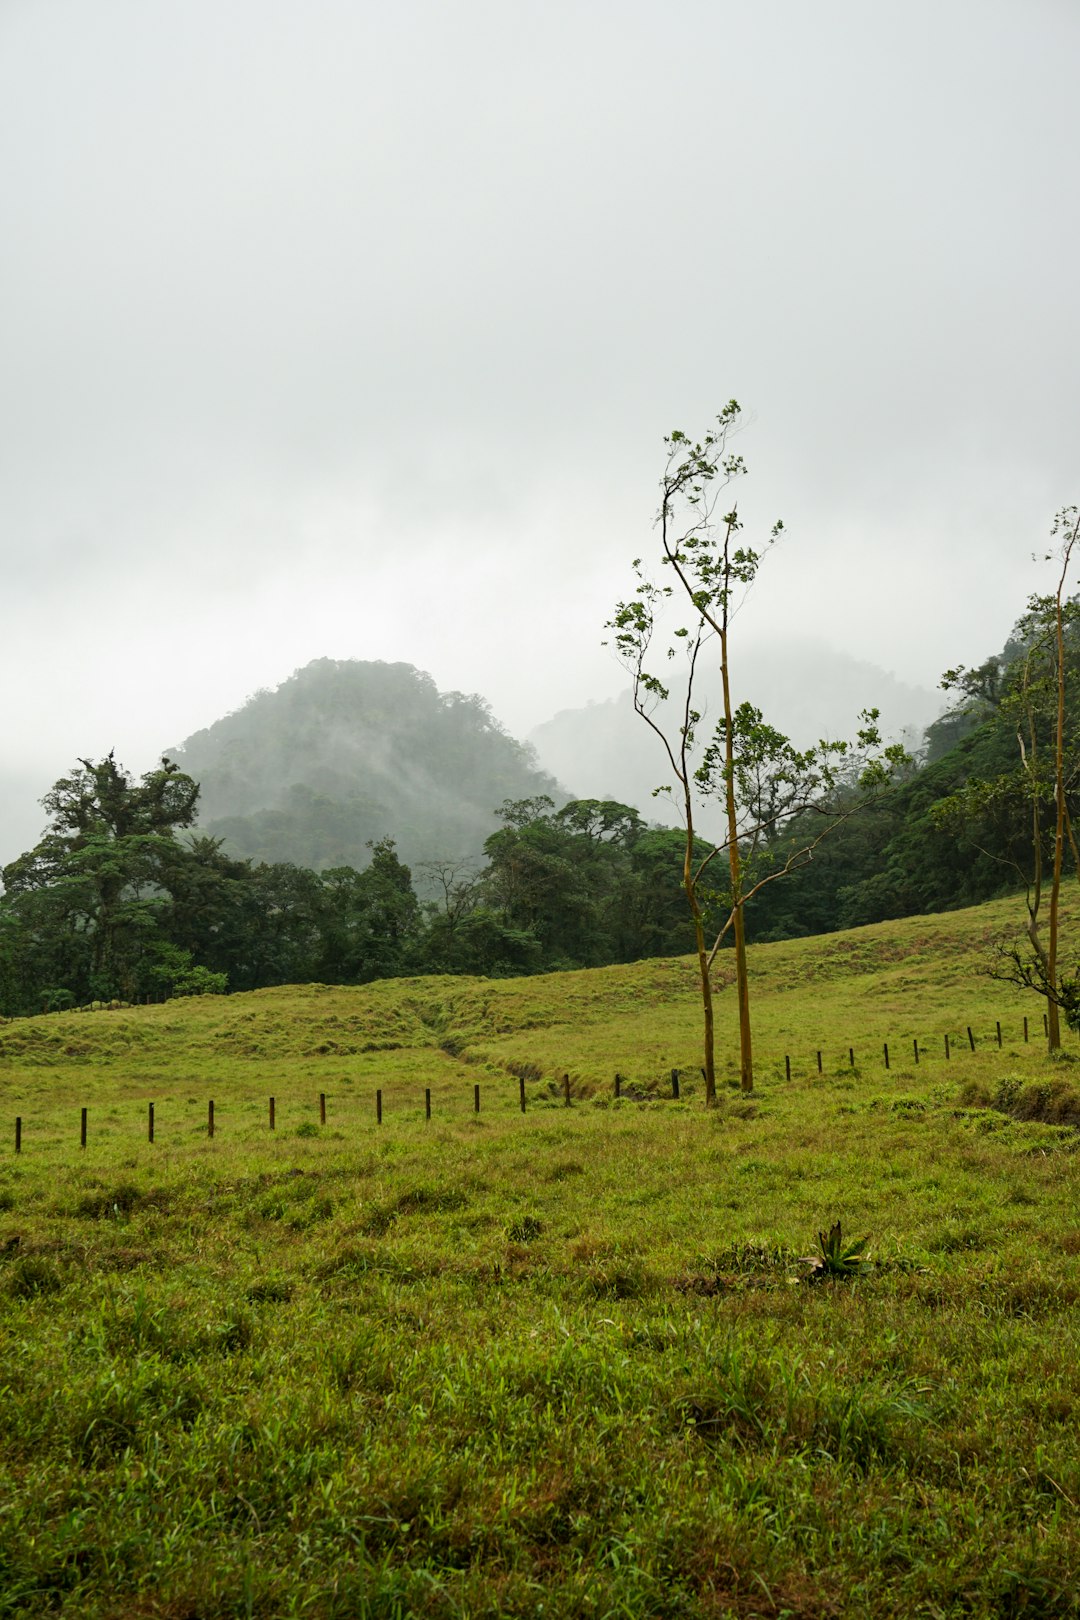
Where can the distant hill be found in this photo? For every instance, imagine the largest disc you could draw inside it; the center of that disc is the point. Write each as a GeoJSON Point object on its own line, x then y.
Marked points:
{"type": "Point", "coordinates": [347, 752]}
{"type": "Point", "coordinates": [805, 688]}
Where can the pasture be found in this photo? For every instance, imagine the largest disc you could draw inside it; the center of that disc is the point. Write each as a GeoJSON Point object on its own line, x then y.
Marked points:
{"type": "Point", "coordinates": [563, 1362]}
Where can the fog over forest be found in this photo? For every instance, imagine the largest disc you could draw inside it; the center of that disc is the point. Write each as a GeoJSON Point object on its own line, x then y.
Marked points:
{"type": "Point", "coordinates": [353, 332]}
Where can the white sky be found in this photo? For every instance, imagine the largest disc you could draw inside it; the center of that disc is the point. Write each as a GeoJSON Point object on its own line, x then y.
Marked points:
{"type": "Point", "coordinates": [333, 328]}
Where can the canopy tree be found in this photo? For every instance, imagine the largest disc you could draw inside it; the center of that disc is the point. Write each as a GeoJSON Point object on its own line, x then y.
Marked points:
{"type": "Point", "coordinates": [101, 873]}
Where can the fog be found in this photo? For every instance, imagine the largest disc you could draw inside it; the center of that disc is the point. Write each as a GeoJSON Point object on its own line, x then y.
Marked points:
{"type": "Point", "coordinates": [333, 329]}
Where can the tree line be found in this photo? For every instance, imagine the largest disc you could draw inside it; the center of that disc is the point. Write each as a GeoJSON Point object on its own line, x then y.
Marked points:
{"type": "Point", "coordinates": [122, 899]}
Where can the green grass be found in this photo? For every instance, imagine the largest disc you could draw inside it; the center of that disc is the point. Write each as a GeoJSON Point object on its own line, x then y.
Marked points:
{"type": "Point", "coordinates": [565, 1363]}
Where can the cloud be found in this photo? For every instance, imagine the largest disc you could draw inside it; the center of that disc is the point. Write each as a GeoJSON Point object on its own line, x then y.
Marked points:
{"type": "Point", "coordinates": [354, 331]}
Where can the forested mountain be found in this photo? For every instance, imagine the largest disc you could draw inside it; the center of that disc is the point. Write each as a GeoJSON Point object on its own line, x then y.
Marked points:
{"type": "Point", "coordinates": [345, 753]}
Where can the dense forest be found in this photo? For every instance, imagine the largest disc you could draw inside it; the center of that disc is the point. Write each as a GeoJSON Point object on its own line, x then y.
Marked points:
{"type": "Point", "coordinates": [120, 901]}
{"type": "Point", "coordinates": [132, 892]}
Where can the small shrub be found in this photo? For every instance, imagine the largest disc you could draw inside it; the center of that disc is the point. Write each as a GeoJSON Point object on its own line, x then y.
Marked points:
{"type": "Point", "coordinates": [836, 1258]}
{"type": "Point", "coordinates": [525, 1230]}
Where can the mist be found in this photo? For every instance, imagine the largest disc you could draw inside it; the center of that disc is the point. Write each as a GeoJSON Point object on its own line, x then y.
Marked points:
{"type": "Point", "coordinates": [338, 331]}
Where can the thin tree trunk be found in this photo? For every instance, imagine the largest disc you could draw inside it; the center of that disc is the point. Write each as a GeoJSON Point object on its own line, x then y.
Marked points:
{"type": "Point", "coordinates": [742, 978]}
{"type": "Point", "coordinates": [706, 988]}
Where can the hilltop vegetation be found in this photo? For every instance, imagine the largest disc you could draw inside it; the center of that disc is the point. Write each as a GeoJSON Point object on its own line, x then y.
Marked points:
{"type": "Point", "coordinates": [347, 753]}
{"type": "Point", "coordinates": [558, 1364]}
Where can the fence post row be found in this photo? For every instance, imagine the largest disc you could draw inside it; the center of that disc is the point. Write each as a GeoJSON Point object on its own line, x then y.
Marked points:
{"type": "Point", "coordinates": [676, 1086]}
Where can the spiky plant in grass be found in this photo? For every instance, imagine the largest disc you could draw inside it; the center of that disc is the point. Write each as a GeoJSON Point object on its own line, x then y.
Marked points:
{"type": "Point", "coordinates": [837, 1258]}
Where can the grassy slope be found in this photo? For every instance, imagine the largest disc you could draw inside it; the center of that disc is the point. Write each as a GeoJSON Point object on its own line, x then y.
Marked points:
{"type": "Point", "coordinates": [559, 1364]}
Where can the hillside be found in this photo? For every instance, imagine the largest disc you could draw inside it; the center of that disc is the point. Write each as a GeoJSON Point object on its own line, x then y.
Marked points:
{"type": "Point", "coordinates": [919, 978]}
{"type": "Point", "coordinates": [344, 753]}
{"type": "Point", "coordinates": [577, 1360]}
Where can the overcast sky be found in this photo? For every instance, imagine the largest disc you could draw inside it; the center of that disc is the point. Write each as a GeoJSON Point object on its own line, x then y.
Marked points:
{"type": "Point", "coordinates": [333, 328]}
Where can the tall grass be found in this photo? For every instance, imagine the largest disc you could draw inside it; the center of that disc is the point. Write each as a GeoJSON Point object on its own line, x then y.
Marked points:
{"type": "Point", "coordinates": [562, 1363]}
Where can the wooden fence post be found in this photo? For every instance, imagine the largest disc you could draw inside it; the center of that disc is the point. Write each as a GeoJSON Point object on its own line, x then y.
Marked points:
{"type": "Point", "coordinates": [971, 1038]}
{"type": "Point", "coordinates": [18, 1133]}
{"type": "Point", "coordinates": [675, 1082]}
{"type": "Point", "coordinates": [427, 1102]}
{"type": "Point", "coordinates": [476, 1097]}
{"type": "Point", "coordinates": [947, 1046]}
{"type": "Point", "coordinates": [322, 1107]}
{"type": "Point", "coordinates": [819, 1062]}
{"type": "Point", "coordinates": [999, 1031]}
{"type": "Point", "coordinates": [1025, 1029]}
{"type": "Point", "coordinates": [149, 1122]}
{"type": "Point", "coordinates": [915, 1048]}
{"type": "Point", "coordinates": [273, 1112]}
{"type": "Point", "coordinates": [851, 1056]}
{"type": "Point", "coordinates": [378, 1107]}
{"type": "Point", "coordinates": [210, 1120]}
{"type": "Point", "coordinates": [82, 1129]}
{"type": "Point", "coordinates": [886, 1054]}
{"type": "Point", "coordinates": [787, 1066]}
{"type": "Point", "coordinates": [618, 1085]}
{"type": "Point", "coordinates": [566, 1088]}
{"type": "Point", "coordinates": [521, 1091]}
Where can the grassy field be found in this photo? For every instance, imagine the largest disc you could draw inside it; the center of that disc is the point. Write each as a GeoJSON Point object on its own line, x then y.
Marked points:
{"type": "Point", "coordinates": [565, 1362]}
